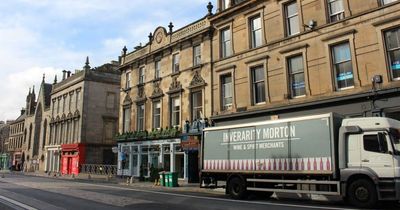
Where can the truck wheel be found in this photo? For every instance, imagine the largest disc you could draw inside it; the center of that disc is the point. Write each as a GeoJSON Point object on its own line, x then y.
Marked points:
{"type": "Point", "coordinates": [362, 193]}
{"type": "Point", "coordinates": [237, 188]}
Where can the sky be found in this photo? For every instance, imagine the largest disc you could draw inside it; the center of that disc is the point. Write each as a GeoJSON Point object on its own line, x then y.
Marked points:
{"type": "Point", "coordinates": [47, 36]}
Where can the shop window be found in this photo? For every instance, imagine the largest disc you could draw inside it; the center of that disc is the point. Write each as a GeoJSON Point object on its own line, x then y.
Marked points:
{"type": "Point", "coordinates": [296, 76]}
{"type": "Point", "coordinates": [392, 39]}
{"type": "Point", "coordinates": [342, 65]}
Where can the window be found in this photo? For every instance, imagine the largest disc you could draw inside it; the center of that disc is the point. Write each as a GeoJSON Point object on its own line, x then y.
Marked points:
{"type": "Point", "coordinates": [156, 114]}
{"type": "Point", "coordinates": [336, 10]}
{"type": "Point", "coordinates": [375, 143]}
{"type": "Point", "coordinates": [226, 47]}
{"type": "Point", "coordinates": [392, 39]}
{"type": "Point", "coordinates": [258, 84]}
{"type": "Point", "coordinates": [292, 19]}
{"type": "Point", "coordinates": [197, 105]}
{"type": "Point", "coordinates": [141, 75]}
{"type": "Point", "coordinates": [175, 111]}
{"type": "Point", "coordinates": [196, 55]}
{"type": "Point", "coordinates": [296, 76]}
{"type": "Point", "coordinates": [157, 69]}
{"type": "Point", "coordinates": [140, 117]}
{"type": "Point", "coordinates": [256, 32]}
{"type": "Point", "coordinates": [175, 63]}
{"type": "Point", "coordinates": [225, 4]}
{"type": "Point", "coordinates": [128, 80]}
{"type": "Point", "coordinates": [342, 65]}
{"type": "Point", "coordinates": [383, 2]}
{"type": "Point", "coordinates": [226, 91]}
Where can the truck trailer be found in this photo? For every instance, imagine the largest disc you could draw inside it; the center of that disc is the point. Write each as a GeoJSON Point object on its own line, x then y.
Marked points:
{"type": "Point", "coordinates": [355, 158]}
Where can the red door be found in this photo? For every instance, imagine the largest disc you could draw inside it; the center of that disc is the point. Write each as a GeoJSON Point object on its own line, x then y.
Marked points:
{"type": "Point", "coordinates": [75, 165]}
{"type": "Point", "coordinates": [64, 165]}
{"type": "Point", "coordinates": [70, 165]}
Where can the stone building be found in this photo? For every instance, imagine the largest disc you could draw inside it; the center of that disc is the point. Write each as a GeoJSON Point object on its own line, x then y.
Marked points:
{"type": "Point", "coordinates": [16, 142]}
{"type": "Point", "coordinates": [165, 86]}
{"type": "Point", "coordinates": [283, 58]}
{"type": "Point", "coordinates": [36, 127]}
{"type": "Point", "coordinates": [83, 119]}
{"type": "Point", "coordinates": [4, 138]}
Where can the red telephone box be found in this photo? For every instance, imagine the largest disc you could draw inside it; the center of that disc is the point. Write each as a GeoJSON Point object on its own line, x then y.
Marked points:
{"type": "Point", "coordinates": [72, 156]}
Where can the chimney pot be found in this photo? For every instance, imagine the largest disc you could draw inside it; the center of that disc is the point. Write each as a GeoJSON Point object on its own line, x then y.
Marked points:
{"type": "Point", "coordinates": [64, 74]}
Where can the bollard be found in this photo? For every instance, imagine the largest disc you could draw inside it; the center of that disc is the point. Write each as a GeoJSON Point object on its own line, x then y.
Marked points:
{"type": "Point", "coordinates": [73, 176]}
{"type": "Point", "coordinates": [89, 177]}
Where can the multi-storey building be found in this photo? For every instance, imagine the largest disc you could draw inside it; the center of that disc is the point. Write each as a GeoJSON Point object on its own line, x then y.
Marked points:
{"type": "Point", "coordinates": [83, 119]}
{"type": "Point", "coordinates": [165, 84]}
{"type": "Point", "coordinates": [16, 142]}
{"type": "Point", "coordinates": [282, 58]}
{"type": "Point", "coordinates": [4, 138]}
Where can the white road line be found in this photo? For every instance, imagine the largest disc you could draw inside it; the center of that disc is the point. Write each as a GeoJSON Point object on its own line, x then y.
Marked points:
{"type": "Point", "coordinates": [222, 199]}
{"type": "Point", "coordinates": [17, 203]}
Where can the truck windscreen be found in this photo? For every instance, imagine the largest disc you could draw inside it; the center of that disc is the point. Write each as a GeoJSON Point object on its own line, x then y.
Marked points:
{"type": "Point", "coordinates": [396, 140]}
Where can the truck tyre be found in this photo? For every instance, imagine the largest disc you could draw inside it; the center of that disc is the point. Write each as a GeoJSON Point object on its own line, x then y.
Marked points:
{"type": "Point", "coordinates": [237, 188]}
{"type": "Point", "coordinates": [362, 193]}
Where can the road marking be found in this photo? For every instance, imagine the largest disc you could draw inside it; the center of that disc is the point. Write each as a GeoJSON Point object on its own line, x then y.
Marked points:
{"type": "Point", "coordinates": [19, 204]}
{"type": "Point", "coordinates": [223, 199]}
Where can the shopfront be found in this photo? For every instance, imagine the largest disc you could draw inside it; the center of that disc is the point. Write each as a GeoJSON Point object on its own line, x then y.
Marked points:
{"type": "Point", "coordinates": [17, 161]}
{"type": "Point", "coordinates": [138, 158]}
{"type": "Point", "coordinates": [52, 158]}
{"type": "Point", "coordinates": [72, 156]}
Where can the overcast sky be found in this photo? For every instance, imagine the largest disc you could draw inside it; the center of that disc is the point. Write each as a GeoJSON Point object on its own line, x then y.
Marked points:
{"type": "Point", "coordinates": [47, 36]}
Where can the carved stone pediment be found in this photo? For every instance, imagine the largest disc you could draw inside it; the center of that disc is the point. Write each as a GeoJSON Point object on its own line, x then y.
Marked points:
{"type": "Point", "coordinates": [127, 101]}
{"type": "Point", "coordinates": [197, 80]}
{"type": "Point", "coordinates": [157, 91]}
{"type": "Point", "coordinates": [141, 96]}
{"type": "Point", "coordinates": [175, 86]}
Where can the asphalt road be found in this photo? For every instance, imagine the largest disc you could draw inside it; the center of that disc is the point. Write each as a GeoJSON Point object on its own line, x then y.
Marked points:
{"type": "Point", "coordinates": [29, 192]}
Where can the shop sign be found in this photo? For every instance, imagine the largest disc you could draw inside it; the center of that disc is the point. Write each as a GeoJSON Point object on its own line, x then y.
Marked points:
{"type": "Point", "coordinates": [190, 144]}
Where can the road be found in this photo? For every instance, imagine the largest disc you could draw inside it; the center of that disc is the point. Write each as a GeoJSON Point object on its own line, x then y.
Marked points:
{"type": "Point", "coordinates": [29, 192]}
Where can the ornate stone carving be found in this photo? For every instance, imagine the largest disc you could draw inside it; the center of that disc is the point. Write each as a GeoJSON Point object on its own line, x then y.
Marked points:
{"type": "Point", "coordinates": [127, 101]}
{"type": "Point", "coordinates": [197, 80]}
{"type": "Point", "coordinates": [175, 86]}
{"type": "Point", "coordinates": [157, 92]}
{"type": "Point", "coordinates": [141, 95]}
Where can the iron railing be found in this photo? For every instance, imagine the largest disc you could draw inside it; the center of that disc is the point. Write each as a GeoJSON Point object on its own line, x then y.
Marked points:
{"type": "Point", "coordinates": [110, 170]}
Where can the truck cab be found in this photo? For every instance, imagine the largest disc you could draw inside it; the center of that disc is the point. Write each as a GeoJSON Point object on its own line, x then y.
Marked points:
{"type": "Point", "coordinates": [369, 159]}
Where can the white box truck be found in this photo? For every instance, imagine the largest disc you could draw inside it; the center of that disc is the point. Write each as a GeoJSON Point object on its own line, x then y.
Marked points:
{"type": "Point", "coordinates": [356, 158]}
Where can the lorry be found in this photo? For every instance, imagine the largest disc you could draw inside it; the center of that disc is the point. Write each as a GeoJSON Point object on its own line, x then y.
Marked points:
{"type": "Point", "coordinates": [355, 158]}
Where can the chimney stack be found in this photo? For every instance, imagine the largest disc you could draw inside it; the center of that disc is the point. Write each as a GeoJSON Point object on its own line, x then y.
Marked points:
{"type": "Point", "coordinates": [64, 74]}
{"type": "Point", "coordinates": [68, 74]}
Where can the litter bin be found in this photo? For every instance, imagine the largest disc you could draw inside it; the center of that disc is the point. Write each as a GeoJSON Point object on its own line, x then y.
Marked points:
{"type": "Point", "coordinates": [162, 178]}
{"type": "Point", "coordinates": [173, 179]}
{"type": "Point", "coordinates": [166, 179]}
